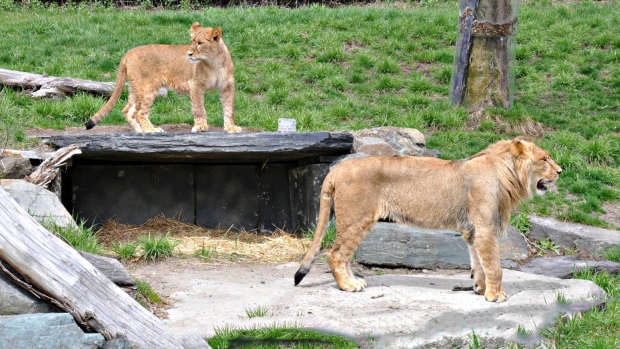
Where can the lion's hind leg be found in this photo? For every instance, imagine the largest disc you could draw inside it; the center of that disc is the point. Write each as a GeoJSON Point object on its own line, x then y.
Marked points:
{"type": "Point", "coordinates": [130, 114]}
{"type": "Point", "coordinates": [143, 101]}
{"type": "Point", "coordinates": [339, 257]}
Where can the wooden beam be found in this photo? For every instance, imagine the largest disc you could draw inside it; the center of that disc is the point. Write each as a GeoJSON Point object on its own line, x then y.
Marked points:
{"type": "Point", "coordinates": [61, 273]}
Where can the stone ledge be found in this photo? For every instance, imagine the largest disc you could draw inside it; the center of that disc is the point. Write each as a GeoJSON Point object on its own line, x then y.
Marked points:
{"type": "Point", "coordinates": [207, 147]}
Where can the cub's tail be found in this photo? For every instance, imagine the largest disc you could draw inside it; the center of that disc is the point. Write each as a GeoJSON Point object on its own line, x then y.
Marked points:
{"type": "Point", "coordinates": [116, 94]}
{"type": "Point", "coordinates": [325, 208]}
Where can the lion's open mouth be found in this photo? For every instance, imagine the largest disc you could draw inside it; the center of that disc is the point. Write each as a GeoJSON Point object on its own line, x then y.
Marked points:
{"type": "Point", "coordinates": [542, 184]}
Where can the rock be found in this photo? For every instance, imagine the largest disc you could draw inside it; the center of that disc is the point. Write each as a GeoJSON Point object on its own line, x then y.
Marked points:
{"type": "Point", "coordinates": [563, 267]}
{"type": "Point", "coordinates": [403, 141]}
{"type": "Point", "coordinates": [14, 167]}
{"type": "Point", "coordinates": [373, 146]}
{"type": "Point", "coordinates": [586, 239]}
{"type": "Point", "coordinates": [111, 268]}
{"type": "Point", "coordinates": [207, 146]}
{"type": "Point", "coordinates": [394, 245]}
{"type": "Point", "coordinates": [57, 330]}
{"type": "Point", "coordinates": [42, 204]}
{"type": "Point", "coordinates": [14, 300]}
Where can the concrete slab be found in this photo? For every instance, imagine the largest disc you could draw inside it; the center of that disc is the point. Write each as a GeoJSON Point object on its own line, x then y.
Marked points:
{"type": "Point", "coordinates": [399, 310]}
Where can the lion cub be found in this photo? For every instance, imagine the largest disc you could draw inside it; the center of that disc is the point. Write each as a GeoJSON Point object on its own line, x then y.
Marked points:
{"type": "Point", "coordinates": [202, 66]}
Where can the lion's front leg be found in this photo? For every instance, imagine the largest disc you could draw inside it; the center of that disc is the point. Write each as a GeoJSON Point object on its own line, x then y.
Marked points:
{"type": "Point", "coordinates": [197, 98]}
{"type": "Point", "coordinates": [487, 249]}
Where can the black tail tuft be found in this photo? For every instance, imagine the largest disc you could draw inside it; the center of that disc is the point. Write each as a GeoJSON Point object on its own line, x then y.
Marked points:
{"type": "Point", "coordinates": [90, 124]}
{"type": "Point", "coordinates": [299, 275]}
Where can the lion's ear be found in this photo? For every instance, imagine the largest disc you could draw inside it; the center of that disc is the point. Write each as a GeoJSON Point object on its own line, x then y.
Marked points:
{"type": "Point", "coordinates": [194, 28]}
{"type": "Point", "coordinates": [217, 33]}
{"type": "Point", "coordinates": [520, 146]}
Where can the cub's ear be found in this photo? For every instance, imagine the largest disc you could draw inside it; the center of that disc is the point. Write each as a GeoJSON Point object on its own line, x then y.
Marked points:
{"type": "Point", "coordinates": [194, 28]}
{"type": "Point", "coordinates": [217, 33]}
{"type": "Point", "coordinates": [520, 146]}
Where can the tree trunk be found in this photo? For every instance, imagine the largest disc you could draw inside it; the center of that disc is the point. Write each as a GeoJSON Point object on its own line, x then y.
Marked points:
{"type": "Point", "coordinates": [48, 86]}
{"type": "Point", "coordinates": [75, 285]}
{"type": "Point", "coordinates": [487, 74]}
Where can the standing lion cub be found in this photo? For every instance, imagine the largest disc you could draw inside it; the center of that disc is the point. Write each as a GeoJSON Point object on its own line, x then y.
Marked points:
{"type": "Point", "coordinates": [202, 66]}
{"type": "Point", "coordinates": [474, 196]}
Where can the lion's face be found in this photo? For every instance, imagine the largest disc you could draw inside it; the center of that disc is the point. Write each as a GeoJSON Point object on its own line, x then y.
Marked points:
{"type": "Point", "coordinates": [205, 43]}
{"type": "Point", "coordinates": [544, 171]}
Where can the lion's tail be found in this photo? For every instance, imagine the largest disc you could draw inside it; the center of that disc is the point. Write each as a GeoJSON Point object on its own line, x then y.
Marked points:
{"type": "Point", "coordinates": [116, 94]}
{"type": "Point", "coordinates": [325, 209]}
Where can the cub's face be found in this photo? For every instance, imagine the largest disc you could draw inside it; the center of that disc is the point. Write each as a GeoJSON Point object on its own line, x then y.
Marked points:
{"type": "Point", "coordinates": [544, 171]}
{"type": "Point", "coordinates": [205, 43]}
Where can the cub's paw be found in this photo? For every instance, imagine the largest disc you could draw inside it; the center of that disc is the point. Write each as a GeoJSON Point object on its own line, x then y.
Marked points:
{"type": "Point", "coordinates": [497, 297]}
{"type": "Point", "coordinates": [200, 128]}
{"type": "Point", "coordinates": [232, 129]}
{"type": "Point", "coordinates": [158, 129]}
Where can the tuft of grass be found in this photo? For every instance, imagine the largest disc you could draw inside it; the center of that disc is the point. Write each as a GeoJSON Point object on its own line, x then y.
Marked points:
{"type": "Point", "coordinates": [80, 237]}
{"type": "Point", "coordinates": [612, 254]}
{"type": "Point", "coordinates": [145, 294]}
{"type": "Point", "coordinates": [125, 250]}
{"type": "Point", "coordinates": [157, 247]}
{"type": "Point", "coordinates": [206, 254]}
{"type": "Point", "coordinates": [520, 222]}
{"type": "Point", "coordinates": [277, 336]}
{"type": "Point", "coordinates": [259, 311]}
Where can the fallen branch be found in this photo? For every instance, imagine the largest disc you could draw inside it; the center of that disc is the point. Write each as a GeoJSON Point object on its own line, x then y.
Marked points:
{"type": "Point", "coordinates": [43, 86]}
{"type": "Point", "coordinates": [48, 170]}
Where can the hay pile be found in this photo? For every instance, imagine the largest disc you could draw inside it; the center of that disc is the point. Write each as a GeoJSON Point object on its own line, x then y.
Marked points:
{"type": "Point", "coordinates": [278, 247]}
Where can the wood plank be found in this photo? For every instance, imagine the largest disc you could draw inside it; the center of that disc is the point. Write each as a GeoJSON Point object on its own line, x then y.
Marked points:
{"type": "Point", "coordinates": [60, 272]}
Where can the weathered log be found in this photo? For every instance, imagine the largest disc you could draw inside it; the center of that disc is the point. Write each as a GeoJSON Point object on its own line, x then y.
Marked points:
{"type": "Point", "coordinates": [48, 170]}
{"type": "Point", "coordinates": [43, 86]}
{"type": "Point", "coordinates": [60, 272]}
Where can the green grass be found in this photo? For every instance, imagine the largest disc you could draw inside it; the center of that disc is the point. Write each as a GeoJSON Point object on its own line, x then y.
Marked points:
{"type": "Point", "coordinates": [80, 237]}
{"type": "Point", "coordinates": [145, 294]}
{"type": "Point", "coordinates": [350, 68]}
{"type": "Point", "coordinates": [125, 250]}
{"type": "Point", "coordinates": [157, 247]}
{"type": "Point", "coordinates": [277, 336]}
{"type": "Point", "coordinates": [259, 311]}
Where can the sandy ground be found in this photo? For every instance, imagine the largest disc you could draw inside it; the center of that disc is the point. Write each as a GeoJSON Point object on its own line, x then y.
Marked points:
{"type": "Point", "coordinates": [398, 309]}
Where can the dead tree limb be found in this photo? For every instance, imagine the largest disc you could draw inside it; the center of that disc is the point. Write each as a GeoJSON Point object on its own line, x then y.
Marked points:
{"type": "Point", "coordinates": [60, 272]}
{"type": "Point", "coordinates": [48, 170]}
{"type": "Point", "coordinates": [43, 86]}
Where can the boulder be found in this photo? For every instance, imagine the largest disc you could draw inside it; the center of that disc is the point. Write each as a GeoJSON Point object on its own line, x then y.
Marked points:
{"type": "Point", "coordinates": [395, 245]}
{"type": "Point", "coordinates": [42, 204]}
{"type": "Point", "coordinates": [586, 239]}
{"type": "Point", "coordinates": [14, 167]}
{"type": "Point", "coordinates": [14, 300]}
{"type": "Point", "coordinates": [57, 330]}
{"type": "Point", "coordinates": [562, 267]}
{"type": "Point", "coordinates": [401, 142]}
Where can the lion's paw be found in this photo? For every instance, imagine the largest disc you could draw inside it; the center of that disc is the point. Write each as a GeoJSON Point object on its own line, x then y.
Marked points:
{"type": "Point", "coordinates": [354, 285]}
{"type": "Point", "coordinates": [158, 129]}
{"type": "Point", "coordinates": [200, 128]}
{"type": "Point", "coordinates": [232, 129]}
{"type": "Point", "coordinates": [497, 297]}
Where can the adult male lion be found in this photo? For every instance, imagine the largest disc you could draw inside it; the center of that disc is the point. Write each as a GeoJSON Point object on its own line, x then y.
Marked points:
{"type": "Point", "coordinates": [203, 65]}
{"type": "Point", "coordinates": [474, 196]}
